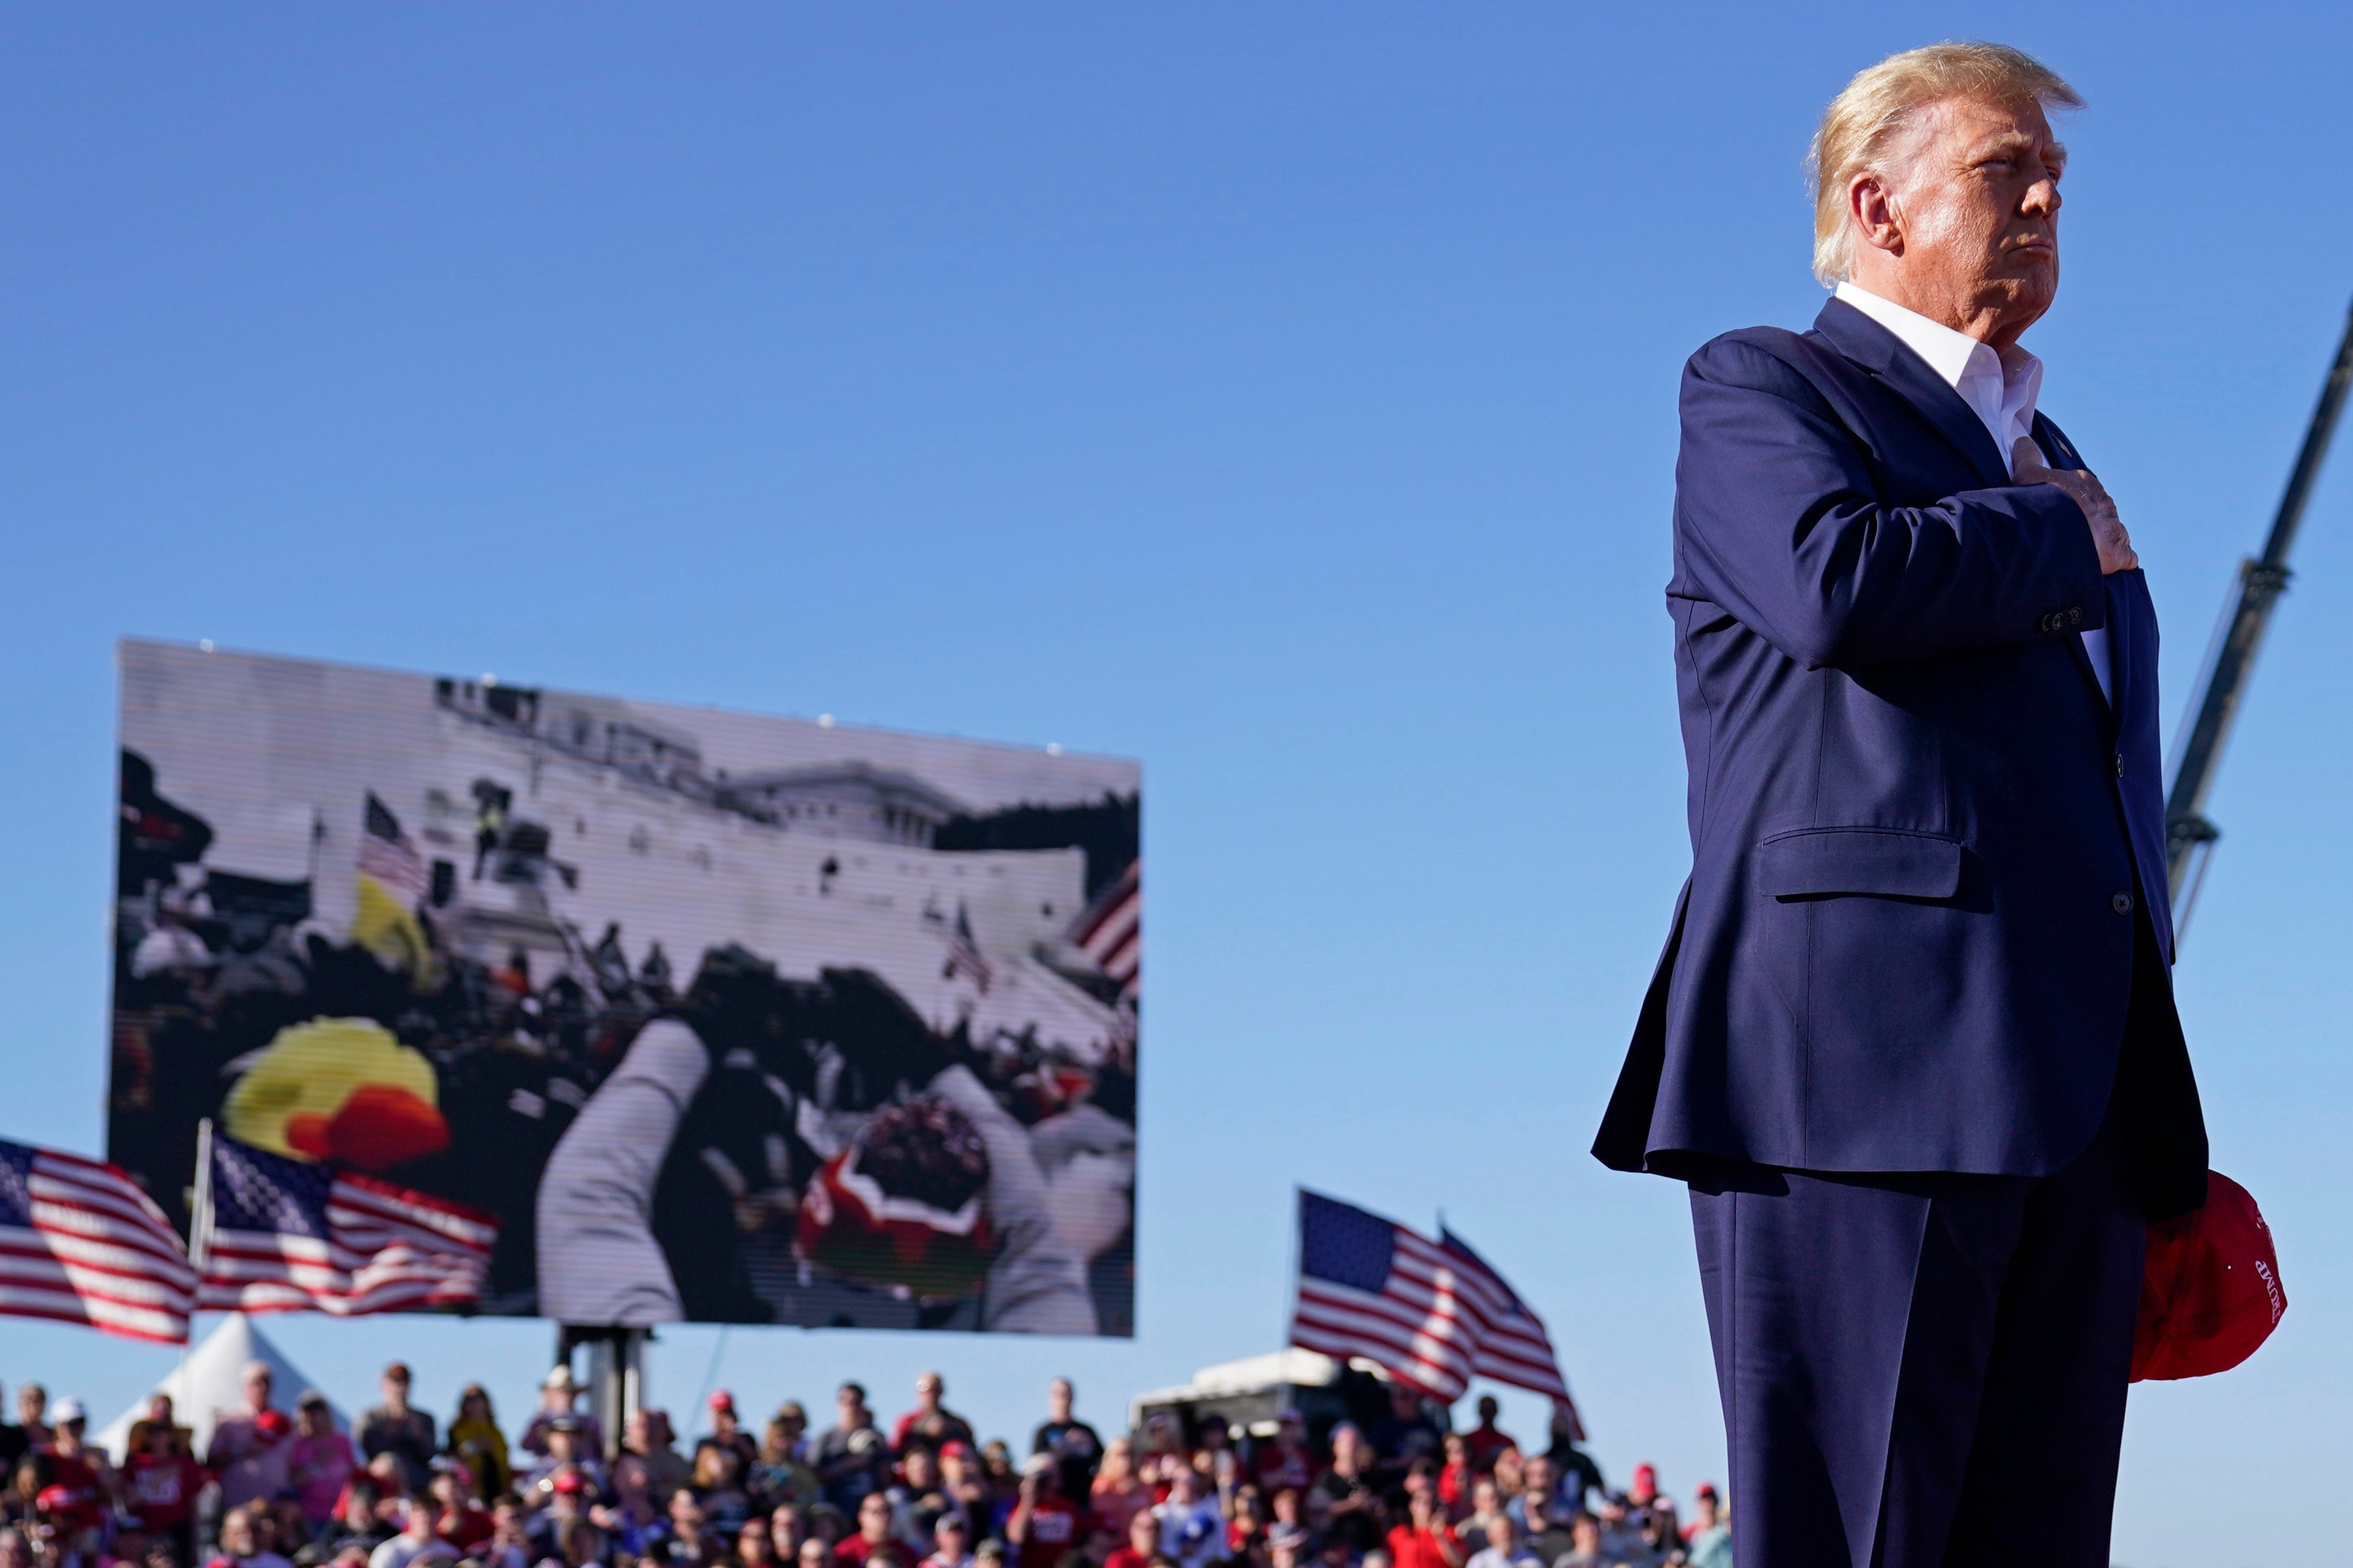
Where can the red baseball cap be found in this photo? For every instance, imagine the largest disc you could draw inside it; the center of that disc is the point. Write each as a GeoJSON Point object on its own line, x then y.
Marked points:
{"type": "Point", "coordinates": [1646, 1482]}
{"type": "Point", "coordinates": [566, 1481]}
{"type": "Point", "coordinates": [722, 1400]}
{"type": "Point", "coordinates": [2210, 1293]}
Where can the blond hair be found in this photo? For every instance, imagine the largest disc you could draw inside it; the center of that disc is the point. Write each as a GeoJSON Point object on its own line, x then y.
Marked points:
{"type": "Point", "coordinates": [1865, 122]}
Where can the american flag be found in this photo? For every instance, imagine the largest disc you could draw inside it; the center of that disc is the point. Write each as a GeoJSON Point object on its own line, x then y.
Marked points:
{"type": "Point", "coordinates": [287, 1237]}
{"type": "Point", "coordinates": [964, 955]}
{"type": "Point", "coordinates": [1110, 933]}
{"type": "Point", "coordinates": [1431, 1312]}
{"type": "Point", "coordinates": [80, 1243]}
{"type": "Point", "coordinates": [1513, 1347]}
{"type": "Point", "coordinates": [387, 856]}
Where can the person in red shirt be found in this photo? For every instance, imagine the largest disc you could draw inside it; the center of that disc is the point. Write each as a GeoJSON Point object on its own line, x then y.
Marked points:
{"type": "Point", "coordinates": [1143, 1541]}
{"type": "Point", "coordinates": [159, 1481]}
{"type": "Point", "coordinates": [1283, 1462]}
{"type": "Point", "coordinates": [77, 1468]}
{"type": "Point", "coordinates": [1044, 1524]}
{"type": "Point", "coordinates": [1425, 1539]}
{"type": "Point", "coordinates": [462, 1523]}
{"type": "Point", "coordinates": [1454, 1480]}
{"type": "Point", "coordinates": [930, 1423]}
{"type": "Point", "coordinates": [1486, 1440]}
{"type": "Point", "coordinates": [873, 1531]}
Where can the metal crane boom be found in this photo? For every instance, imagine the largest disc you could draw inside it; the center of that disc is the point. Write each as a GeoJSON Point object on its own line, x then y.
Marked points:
{"type": "Point", "coordinates": [2189, 836]}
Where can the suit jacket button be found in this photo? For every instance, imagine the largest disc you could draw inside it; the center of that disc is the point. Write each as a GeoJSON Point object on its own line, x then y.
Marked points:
{"type": "Point", "coordinates": [2121, 903]}
{"type": "Point", "coordinates": [2074, 615]}
{"type": "Point", "coordinates": [2044, 624]}
{"type": "Point", "coordinates": [2120, 764]}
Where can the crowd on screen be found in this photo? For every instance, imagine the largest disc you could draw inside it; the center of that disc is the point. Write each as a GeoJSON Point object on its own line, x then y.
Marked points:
{"type": "Point", "coordinates": [276, 1485]}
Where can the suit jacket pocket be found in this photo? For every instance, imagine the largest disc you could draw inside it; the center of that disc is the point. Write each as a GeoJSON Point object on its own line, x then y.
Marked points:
{"type": "Point", "coordinates": [1890, 862]}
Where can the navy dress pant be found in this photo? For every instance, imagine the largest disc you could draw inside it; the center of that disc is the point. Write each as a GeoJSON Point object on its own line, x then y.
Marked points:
{"type": "Point", "coordinates": [1928, 1369]}
{"type": "Point", "coordinates": [1922, 1371]}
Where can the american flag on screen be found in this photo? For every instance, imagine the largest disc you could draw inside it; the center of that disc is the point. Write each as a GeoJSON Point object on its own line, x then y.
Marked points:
{"type": "Point", "coordinates": [1111, 930]}
{"type": "Point", "coordinates": [1434, 1313]}
{"type": "Point", "coordinates": [80, 1243]}
{"type": "Point", "coordinates": [965, 955]}
{"type": "Point", "coordinates": [287, 1237]}
{"type": "Point", "coordinates": [387, 856]}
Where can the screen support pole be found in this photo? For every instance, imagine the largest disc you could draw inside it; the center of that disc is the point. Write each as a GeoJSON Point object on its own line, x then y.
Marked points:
{"type": "Point", "coordinates": [616, 1374]}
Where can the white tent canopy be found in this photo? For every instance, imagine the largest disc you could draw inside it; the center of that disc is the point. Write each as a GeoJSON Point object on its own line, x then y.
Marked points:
{"type": "Point", "coordinates": [209, 1383]}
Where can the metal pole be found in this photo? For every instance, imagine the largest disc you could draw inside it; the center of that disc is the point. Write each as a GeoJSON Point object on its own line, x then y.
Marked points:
{"type": "Point", "coordinates": [2189, 836]}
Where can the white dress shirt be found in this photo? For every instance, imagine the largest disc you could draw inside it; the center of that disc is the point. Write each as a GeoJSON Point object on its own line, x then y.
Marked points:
{"type": "Point", "coordinates": [1999, 388]}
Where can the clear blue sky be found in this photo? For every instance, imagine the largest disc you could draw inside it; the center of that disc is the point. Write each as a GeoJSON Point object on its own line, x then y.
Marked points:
{"type": "Point", "coordinates": [1281, 395]}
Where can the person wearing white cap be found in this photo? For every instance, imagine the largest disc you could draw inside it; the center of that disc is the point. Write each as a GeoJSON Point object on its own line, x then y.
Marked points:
{"type": "Point", "coordinates": [557, 1395]}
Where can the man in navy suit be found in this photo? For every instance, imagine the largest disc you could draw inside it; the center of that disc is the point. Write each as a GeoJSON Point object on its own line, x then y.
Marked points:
{"type": "Point", "coordinates": [1912, 1044]}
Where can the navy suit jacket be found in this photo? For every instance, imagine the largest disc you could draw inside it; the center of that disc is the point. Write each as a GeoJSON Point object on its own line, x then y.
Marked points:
{"type": "Point", "coordinates": [1921, 838]}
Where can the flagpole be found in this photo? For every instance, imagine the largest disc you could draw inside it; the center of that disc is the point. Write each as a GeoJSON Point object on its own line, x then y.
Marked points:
{"type": "Point", "coordinates": [1291, 1304]}
{"type": "Point", "coordinates": [200, 1235]}
{"type": "Point", "coordinates": [200, 1212]}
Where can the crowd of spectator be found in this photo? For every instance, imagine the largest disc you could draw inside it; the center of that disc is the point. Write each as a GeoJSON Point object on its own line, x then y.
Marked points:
{"type": "Point", "coordinates": [275, 1489]}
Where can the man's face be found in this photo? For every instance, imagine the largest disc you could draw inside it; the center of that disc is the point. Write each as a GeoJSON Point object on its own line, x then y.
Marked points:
{"type": "Point", "coordinates": [396, 1393]}
{"type": "Point", "coordinates": [875, 1515]}
{"type": "Point", "coordinates": [1541, 1475]}
{"type": "Point", "coordinates": [684, 1512]}
{"type": "Point", "coordinates": [1588, 1535]}
{"type": "Point", "coordinates": [237, 1534]}
{"type": "Point", "coordinates": [257, 1392]}
{"type": "Point", "coordinates": [1058, 1400]}
{"type": "Point", "coordinates": [928, 1389]}
{"type": "Point", "coordinates": [922, 1470]}
{"type": "Point", "coordinates": [1977, 208]}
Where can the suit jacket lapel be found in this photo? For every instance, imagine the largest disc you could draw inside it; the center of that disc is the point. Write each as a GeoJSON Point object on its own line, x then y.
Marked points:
{"type": "Point", "coordinates": [1883, 354]}
{"type": "Point", "coordinates": [2059, 453]}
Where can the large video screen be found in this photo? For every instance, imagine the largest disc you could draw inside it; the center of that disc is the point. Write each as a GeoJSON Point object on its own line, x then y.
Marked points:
{"type": "Point", "coordinates": [723, 1018]}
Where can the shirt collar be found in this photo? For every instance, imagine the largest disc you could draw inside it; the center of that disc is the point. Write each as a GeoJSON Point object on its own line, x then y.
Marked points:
{"type": "Point", "coordinates": [2000, 388]}
{"type": "Point", "coordinates": [1949, 353]}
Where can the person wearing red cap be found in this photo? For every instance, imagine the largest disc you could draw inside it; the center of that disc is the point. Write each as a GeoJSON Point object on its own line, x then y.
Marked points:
{"type": "Point", "coordinates": [1707, 1539]}
{"type": "Point", "coordinates": [248, 1452]}
{"type": "Point", "coordinates": [727, 1432]}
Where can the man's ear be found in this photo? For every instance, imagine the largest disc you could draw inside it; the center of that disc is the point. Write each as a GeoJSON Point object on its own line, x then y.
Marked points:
{"type": "Point", "coordinates": [1872, 209]}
